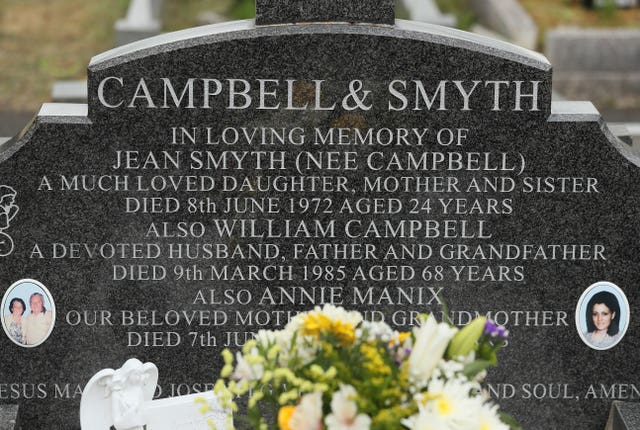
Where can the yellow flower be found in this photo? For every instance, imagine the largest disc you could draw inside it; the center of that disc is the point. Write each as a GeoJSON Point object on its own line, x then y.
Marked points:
{"type": "Point", "coordinates": [374, 362]}
{"type": "Point", "coordinates": [403, 336]}
{"type": "Point", "coordinates": [344, 331]}
{"type": "Point", "coordinates": [316, 323]}
{"type": "Point", "coordinates": [284, 417]}
{"type": "Point", "coordinates": [399, 339]}
{"type": "Point", "coordinates": [443, 406]}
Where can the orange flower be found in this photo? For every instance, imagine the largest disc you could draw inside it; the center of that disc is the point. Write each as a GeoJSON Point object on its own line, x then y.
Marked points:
{"type": "Point", "coordinates": [284, 417]}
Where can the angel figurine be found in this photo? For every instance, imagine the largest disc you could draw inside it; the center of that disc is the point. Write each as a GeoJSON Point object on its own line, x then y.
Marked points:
{"type": "Point", "coordinates": [117, 397]}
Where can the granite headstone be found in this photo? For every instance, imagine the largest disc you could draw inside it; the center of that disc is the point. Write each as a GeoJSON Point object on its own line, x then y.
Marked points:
{"type": "Point", "coordinates": [223, 178]}
{"type": "Point", "coordinates": [624, 416]}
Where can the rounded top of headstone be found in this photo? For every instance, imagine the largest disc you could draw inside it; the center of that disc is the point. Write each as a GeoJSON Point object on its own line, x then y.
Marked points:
{"type": "Point", "coordinates": [407, 51]}
{"type": "Point", "coordinates": [245, 29]}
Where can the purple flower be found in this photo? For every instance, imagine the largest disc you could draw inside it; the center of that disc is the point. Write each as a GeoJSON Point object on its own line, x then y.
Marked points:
{"type": "Point", "coordinates": [489, 328]}
{"type": "Point", "coordinates": [503, 332]}
{"type": "Point", "coordinates": [495, 331]}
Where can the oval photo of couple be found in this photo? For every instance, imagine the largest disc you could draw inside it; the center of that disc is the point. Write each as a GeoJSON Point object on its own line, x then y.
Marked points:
{"type": "Point", "coordinates": [602, 315]}
{"type": "Point", "coordinates": [28, 313]}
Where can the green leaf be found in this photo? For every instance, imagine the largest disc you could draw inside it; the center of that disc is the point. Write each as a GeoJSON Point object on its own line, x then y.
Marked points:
{"type": "Point", "coordinates": [472, 369]}
{"type": "Point", "coordinates": [509, 420]}
{"type": "Point", "coordinates": [488, 352]}
{"type": "Point", "coordinates": [465, 340]}
{"type": "Point", "coordinates": [445, 311]}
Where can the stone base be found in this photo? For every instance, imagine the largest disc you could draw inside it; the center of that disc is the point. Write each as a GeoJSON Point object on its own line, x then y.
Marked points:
{"type": "Point", "coordinates": [9, 417]}
{"type": "Point", "coordinates": [624, 416]}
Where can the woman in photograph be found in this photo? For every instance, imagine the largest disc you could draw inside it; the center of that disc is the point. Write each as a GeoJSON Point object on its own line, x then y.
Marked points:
{"type": "Point", "coordinates": [38, 321]}
{"type": "Point", "coordinates": [14, 322]}
{"type": "Point", "coordinates": [603, 316]}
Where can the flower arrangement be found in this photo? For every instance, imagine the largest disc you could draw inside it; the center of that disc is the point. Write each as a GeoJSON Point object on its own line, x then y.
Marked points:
{"type": "Point", "coordinates": [330, 370]}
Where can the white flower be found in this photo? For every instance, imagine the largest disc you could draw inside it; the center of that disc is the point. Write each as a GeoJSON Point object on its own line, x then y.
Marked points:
{"type": "Point", "coordinates": [425, 420]}
{"type": "Point", "coordinates": [377, 331]}
{"type": "Point", "coordinates": [248, 369]}
{"type": "Point", "coordinates": [344, 411]}
{"type": "Point", "coordinates": [431, 341]}
{"type": "Point", "coordinates": [283, 339]}
{"type": "Point", "coordinates": [306, 345]}
{"type": "Point", "coordinates": [333, 313]}
{"type": "Point", "coordinates": [267, 338]}
{"type": "Point", "coordinates": [308, 414]}
{"type": "Point", "coordinates": [481, 376]}
{"type": "Point", "coordinates": [451, 402]}
{"type": "Point", "coordinates": [448, 369]}
{"type": "Point", "coordinates": [489, 419]}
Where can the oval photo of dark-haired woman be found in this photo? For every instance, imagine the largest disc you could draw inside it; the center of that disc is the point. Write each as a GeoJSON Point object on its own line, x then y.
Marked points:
{"type": "Point", "coordinates": [28, 313]}
{"type": "Point", "coordinates": [602, 315]}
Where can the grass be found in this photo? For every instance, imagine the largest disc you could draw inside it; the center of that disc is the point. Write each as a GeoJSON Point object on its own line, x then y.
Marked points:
{"type": "Point", "coordinates": [462, 11]}
{"type": "Point", "coordinates": [554, 13]}
{"type": "Point", "coordinates": [181, 14]}
{"type": "Point", "coordinates": [42, 41]}
{"type": "Point", "coordinates": [549, 14]}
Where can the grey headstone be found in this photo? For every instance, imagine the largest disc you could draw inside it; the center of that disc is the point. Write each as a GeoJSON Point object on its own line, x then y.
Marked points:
{"type": "Point", "coordinates": [601, 65]}
{"type": "Point", "coordinates": [9, 417]}
{"type": "Point", "coordinates": [428, 11]}
{"type": "Point", "coordinates": [633, 133]}
{"type": "Point", "coordinates": [618, 3]}
{"type": "Point", "coordinates": [634, 129]}
{"type": "Point", "coordinates": [157, 7]}
{"type": "Point", "coordinates": [112, 177]}
{"type": "Point", "coordinates": [69, 92]}
{"type": "Point", "coordinates": [509, 18]}
{"type": "Point", "coordinates": [141, 22]}
{"type": "Point", "coordinates": [481, 30]}
{"type": "Point", "coordinates": [624, 416]}
{"type": "Point", "coordinates": [621, 132]}
{"type": "Point", "coordinates": [210, 17]}
{"type": "Point", "coordinates": [594, 50]}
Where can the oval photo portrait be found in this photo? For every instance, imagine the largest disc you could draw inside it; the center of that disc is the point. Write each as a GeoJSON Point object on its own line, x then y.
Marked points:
{"type": "Point", "coordinates": [602, 315]}
{"type": "Point", "coordinates": [28, 313]}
